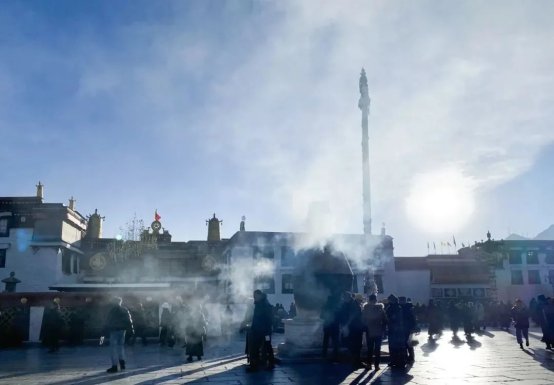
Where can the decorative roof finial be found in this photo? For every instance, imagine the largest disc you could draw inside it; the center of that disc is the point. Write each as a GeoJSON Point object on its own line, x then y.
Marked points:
{"type": "Point", "coordinates": [243, 224]}
{"type": "Point", "coordinates": [72, 203]}
{"type": "Point", "coordinates": [40, 190]}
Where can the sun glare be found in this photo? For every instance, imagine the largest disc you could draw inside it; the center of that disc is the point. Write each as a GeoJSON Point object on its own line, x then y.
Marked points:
{"type": "Point", "coordinates": [440, 201]}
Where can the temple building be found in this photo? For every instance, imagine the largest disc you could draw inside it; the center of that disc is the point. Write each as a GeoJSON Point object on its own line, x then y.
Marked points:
{"type": "Point", "coordinates": [40, 242]}
{"type": "Point", "coordinates": [266, 260]}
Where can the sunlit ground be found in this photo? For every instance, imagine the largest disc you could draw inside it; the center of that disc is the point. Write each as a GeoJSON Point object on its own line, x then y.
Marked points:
{"type": "Point", "coordinates": [490, 358]}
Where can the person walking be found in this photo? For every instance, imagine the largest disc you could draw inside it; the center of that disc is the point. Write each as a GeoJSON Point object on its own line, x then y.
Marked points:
{"type": "Point", "coordinates": [468, 317]}
{"type": "Point", "coordinates": [454, 315]}
{"type": "Point", "coordinates": [260, 332]}
{"type": "Point", "coordinates": [520, 315]}
{"type": "Point", "coordinates": [434, 318]}
{"type": "Point", "coordinates": [118, 322]}
{"type": "Point", "coordinates": [374, 320]}
{"type": "Point", "coordinates": [195, 333]}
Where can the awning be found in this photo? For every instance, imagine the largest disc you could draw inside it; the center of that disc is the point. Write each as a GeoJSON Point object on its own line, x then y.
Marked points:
{"type": "Point", "coordinates": [109, 286]}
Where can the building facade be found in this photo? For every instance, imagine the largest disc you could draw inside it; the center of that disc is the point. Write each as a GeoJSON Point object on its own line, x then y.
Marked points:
{"type": "Point", "coordinates": [40, 242]}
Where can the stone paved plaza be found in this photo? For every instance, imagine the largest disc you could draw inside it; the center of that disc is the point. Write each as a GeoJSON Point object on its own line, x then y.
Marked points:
{"type": "Point", "coordinates": [493, 358]}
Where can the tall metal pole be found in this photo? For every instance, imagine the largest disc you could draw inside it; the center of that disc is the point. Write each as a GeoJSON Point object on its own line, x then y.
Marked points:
{"type": "Point", "coordinates": [363, 105]}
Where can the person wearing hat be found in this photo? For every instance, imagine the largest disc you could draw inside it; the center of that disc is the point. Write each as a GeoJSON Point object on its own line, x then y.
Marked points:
{"type": "Point", "coordinates": [520, 315]}
{"type": "Point", "coordinates": [118, 322]}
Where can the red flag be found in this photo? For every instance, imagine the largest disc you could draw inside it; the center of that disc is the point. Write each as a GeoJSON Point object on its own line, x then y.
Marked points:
{"type": "Point", "coordinates": [157, 216]}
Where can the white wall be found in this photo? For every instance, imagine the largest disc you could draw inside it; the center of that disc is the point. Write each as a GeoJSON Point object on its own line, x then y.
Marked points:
{"type": "Point", "coordinates": [414, 284]}
{"type": "Point", "coordinates": [37, 269]}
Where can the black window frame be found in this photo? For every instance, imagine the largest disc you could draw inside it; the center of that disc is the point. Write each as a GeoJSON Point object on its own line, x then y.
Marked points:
{"type": "Point", "coordinates": [290, 281]}
{"type": "Point", "coordinates": [549, 257]}
{"type": "Point", "coordinates": [6, 232]}
{"type": "Point", "coordinates": [266, 252]}
{"type": "Point", "coordinates": [270, 279]}
{"type": "Point", "coordinates": [66, 263]}
{"type": "Point", "coordinates": [3, 254]}
{"type": "Point", "coordinates": [536, 280]}
{"type": "Point", "coordinates": [514, 256]}
{"type": "Point", "coordinates": [516, 282]}
{"type": "Point", "coordinates": [287, 256]}
{"type": "Point", "coordinates": [532, 257]}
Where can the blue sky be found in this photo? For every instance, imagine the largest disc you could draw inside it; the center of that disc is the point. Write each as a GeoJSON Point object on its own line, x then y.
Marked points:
{"type": "Point", "coordinates": [250, 107]}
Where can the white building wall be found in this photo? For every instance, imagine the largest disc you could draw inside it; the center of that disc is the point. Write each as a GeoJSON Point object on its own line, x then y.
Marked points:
{"type": "Point", "coordinates": [508, 292]}
{"type": "Point", "coordinates": [37, 268]}
{"type": "Point", "coordinates": [414, 284]}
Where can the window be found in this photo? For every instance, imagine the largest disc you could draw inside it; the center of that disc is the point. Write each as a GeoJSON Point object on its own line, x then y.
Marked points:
{"type": "Point", "coordinates": [287, 285]}
{"type": "Point", "coordinates": [532, 257]}
{"type": "Point", "coordinates": [2, 258]}
{"type": "Point", "coordinates": [517, 277]}
{"type": "Point", "coordinates": [534, 277]}
{"type": "Point", "coordinates": [379, 283]}
{"type": "Point", "coordinates": [4, 230]}
{"type": "Point", "coordinates": [265, 284]}
{"type": "Point", "coordinates": [287, 256]}
{"type": "Point", "coordinates": [66, 264]}
{"type": "Point", "coordinates": [515, 257]}
{"type": "Point", "coordinates": [549, 258]}
{"type": "Point", "coordinates": [75, 264]}
{"type": "Point", "coordinates": [263, 252]}
{"type": "Point", "coordinates": [551, 277]}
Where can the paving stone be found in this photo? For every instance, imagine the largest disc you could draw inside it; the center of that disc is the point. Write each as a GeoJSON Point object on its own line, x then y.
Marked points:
{"type": "Point", "coordinates": [493, 358]}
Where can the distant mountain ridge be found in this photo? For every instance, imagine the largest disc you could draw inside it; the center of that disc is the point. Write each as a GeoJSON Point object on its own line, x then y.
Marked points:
{"type": "Point", "coordinates": [546, 235]}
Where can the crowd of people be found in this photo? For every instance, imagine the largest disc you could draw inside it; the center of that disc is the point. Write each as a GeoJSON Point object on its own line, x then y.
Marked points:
{"type": "Point", "coordinates": [348, 320]}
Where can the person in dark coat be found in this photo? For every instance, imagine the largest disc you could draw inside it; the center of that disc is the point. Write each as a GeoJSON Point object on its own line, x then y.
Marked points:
{"type": "Point", "coordinates": [77, 326]}
{"type": "Point", "coordinates": [166, 325]}
{"type": "Point", "coordinates": [548, 313]}
{"type": "Point", "coordinates": [455, 315]}
{"type": "Point", "coordinates": [350, 319]}
{"type": "Point", "coordinates": [374, 320]}
{"type": "Point", "coordinates": [330, 318]}
{"type": "Point", "coordinates": [139, 322]}
{"type": "Point", "coordinates": [542, 321]}
{"type": "Point", "coordinates": [520, 315]}
{"type": "Point", "coordinates": [292, 310]}
{"type": "Point", "coordinates": [52, 326]}
{"type": "Point", "coordinates": [195, 333]}
{"type": "Point", "coordinates": [533, 311]}
{"type": "Point", "coordinates": [410, 323]}
{"type": "Point", "coordinates": [468, 317]}
{"type": "Point", "coordinates": [118, 322]}
{"type": "Point", "coordinates": [434, 318]}
{"type": "Point", "coordinates": [260, 332]}
{"type": "Point", "coordinates": [396, 333]}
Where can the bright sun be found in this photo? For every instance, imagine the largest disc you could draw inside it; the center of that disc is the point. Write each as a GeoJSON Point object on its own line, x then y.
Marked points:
{"type": "Point", "coordinates": [440, 201]}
